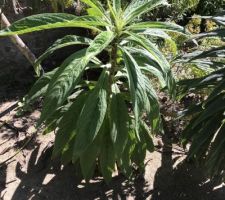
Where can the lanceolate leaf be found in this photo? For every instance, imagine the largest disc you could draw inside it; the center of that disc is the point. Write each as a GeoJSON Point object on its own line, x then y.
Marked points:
{"type": "Point", "coordinates": [211, 109]}
{"type": "Point", "coordinates": [155, 33]}
{"type": "Point", "coordinates": [148, 64]}
{"type": "Point", "coordinates": [139, 7]}
{"type": "Point", "coordinates": [118, 122]}
{"type": "Point", "coordinates": [92, 115]}
{"type": "Point", "coordinates": [147, 137]}
{"type": "Point", "coordinates": [201, 140]}
{"type": "Point", "coordinates": [40, 87]}
{"type": "Point", "coordinates": [69, 73]}
{"type": "Point", "coordinates": [125, 161]}
{"type": "Point", "coordinates": [156, 25]}
{"type": "Point", "coordinates": [158, 57]}
{"type": "Point", "coordinates": [216, 156]}
{"type": "Point", "coordinates": [107, 158]}
{"type": "Point", "coordinates": [154, 114]}
{"type": "Point", "coordinates": [96, 7]}
{"type": "Point", "coordinates": [137, 87]}
{"type": "Point", "coordinates": [63, 42]}
{"type": "Point", "coordinates": [117, 5]}
{"type": "Point", "coordinates": [88, 158]}
{"type": "Point", "coordinates": [67, 126]}
{"type": "Point", "coordinates": [216, 52]}
{"type": "Point", "coordinates": [214, 33]}
{"type": "Point", "coordinates": [62, 83]}
{"type": "Point", "coordinates": [51, 20]}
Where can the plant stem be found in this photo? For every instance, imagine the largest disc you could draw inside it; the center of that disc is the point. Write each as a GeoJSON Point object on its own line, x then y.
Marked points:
{"type": "Point", "coordinates": [113, 58]}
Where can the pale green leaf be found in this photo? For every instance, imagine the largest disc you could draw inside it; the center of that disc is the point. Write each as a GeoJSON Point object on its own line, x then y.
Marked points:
{"type": "Point", "coordinates": [165, 26]}
{"type": "Point", "coordinates": [96, 8]}
{"type": "Point", "coordinates": [137, 87]}
{"type": "Point", "coordinates": [117, 5]}
{"type": "Point", "coordinates": [157, 56]}
{"type": "Point", "coordinates": [139, 7]}
{"type": "Point", "coordinates": [50, 21]}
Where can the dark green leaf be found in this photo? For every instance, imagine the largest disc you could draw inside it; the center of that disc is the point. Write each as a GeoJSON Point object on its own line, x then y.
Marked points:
{"type": "Point", "coordinates": [118, 121]}
{"type": "Point", "coordinates": [92, 115]}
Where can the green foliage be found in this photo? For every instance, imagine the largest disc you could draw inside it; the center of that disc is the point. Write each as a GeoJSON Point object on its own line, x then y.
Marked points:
{"type": "Point", "coordinates": [182, 6]}
{"type": "Point", "coordinates": [103, 120]}
{"type": "Point", "coordinates": [60, 5]}
{"type": "Point", "coordinates": [206, 131]}
{"type": "Point", "coordinates": [209, 7]}
{"type": "Point", "coordinates": [53, 5]}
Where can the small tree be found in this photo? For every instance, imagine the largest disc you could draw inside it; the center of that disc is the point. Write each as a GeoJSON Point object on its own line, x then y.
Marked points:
{"type": "Point", "coordinates": [103, 120]}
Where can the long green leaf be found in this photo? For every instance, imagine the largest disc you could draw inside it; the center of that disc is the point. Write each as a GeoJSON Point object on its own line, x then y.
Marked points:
{"type": "Point", "coordinates": [62, 83]}
{"type": "Point", "coordinates": [157, 56]}
{"type": "Point", "coordinates": [88, 158]}
{"type": "Point", "coordinates": [165, 26]}
{"type": "Point", "coordinates": [148, 64]}
{"type": "Point", "coordinates": [50, 21]}
{"type": "Point", "coordinates": [67, 126]}
{"type": "Point", "coordinates": [107, 158]}
{"type": "Point", "coordinates": [139, 7]}
{"type": "Point", "coordinates": [118, 121]}
{"type": "Point", "coordinates": [214, 33]}
{"type": "Point", "coordinates": [147, 137]}
{"type": "Point", "coordinates": [92, 116]}
{"type": "Point", "coordinates": [137, 87]}
{"type": "Point", "coordinates": [201, 140]}
{"type": "Point", "coordinates": [40, 87]}
{"type": "Point", "coordinates": [215, 52]}
{"type": "Point", "coordinates": [96, 7]}
{"type": "Point", "coordinates": [213, 108]}
{"type": "Point", "coordinates": [154, 114]}
{"type": "Point", "coordinates": [117, 5]}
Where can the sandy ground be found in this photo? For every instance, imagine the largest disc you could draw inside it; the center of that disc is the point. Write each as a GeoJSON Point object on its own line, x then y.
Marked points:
{"type": "Point", "coordinates": [33, 175]}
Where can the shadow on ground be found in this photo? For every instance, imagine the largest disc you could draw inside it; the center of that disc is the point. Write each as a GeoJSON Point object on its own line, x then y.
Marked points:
{"type": "Point", "coordinates": [45, 179]}
{"type": "Point", "coordinates": [185, 182]}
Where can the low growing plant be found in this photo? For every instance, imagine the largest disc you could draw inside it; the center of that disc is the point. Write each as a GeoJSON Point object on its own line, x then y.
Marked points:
{"type": "Point", "coordinates": [206, 130]}
{"type": "Point", "coordinates": [105, 120]}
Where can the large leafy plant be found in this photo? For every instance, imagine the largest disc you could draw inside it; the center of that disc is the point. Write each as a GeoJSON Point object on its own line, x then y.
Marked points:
{"type": "Point", "coordinates": [206, 130]}
{"type": "Point", "coordinates": [104, 120]}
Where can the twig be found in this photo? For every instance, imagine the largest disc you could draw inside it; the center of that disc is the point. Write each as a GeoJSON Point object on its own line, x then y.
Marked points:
{"type": "Point", "coordinates": [18, 151]}
{"type": "Point", "coordinates": [10, 126]}
{"type": "Point", "coordinates": [12, 136]}
{"type": "Point", "coordinates": [11, 108]}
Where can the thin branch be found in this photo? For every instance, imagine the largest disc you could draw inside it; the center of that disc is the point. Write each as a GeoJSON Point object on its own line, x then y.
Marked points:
{"type": "Point", "coordinates": [18, 42]}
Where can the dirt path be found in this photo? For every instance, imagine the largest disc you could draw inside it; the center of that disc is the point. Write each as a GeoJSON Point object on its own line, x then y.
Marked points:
{"type": "Point", "coordinates": [33, 175]}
